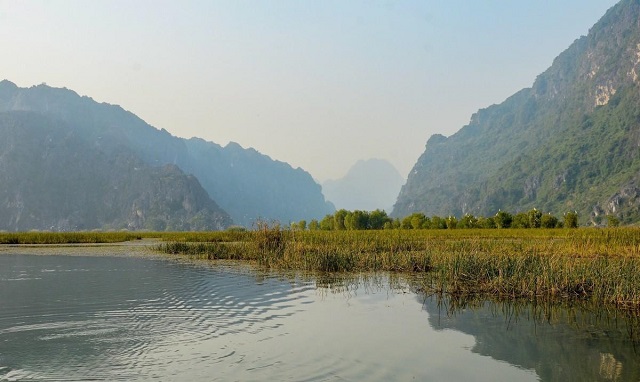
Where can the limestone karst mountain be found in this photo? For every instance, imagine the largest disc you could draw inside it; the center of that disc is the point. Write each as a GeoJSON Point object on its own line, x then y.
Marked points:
{"type": "Point", "coordinates": [571, 142]}
{"type": "Point", "coordinates": [243, 182]}
{"type": "Point", "coordinates": [51, 178]}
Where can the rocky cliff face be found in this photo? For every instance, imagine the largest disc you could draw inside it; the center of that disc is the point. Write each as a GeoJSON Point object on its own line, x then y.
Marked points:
{"type": "Point", "coordinates": [570, 142]}
{"type": "Point", "coordinates": [51, 178]}
{"type": "Point", "coordinates": [243, 182]}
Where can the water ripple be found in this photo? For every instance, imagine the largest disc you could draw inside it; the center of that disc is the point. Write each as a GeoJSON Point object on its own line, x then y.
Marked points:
{"type": "Point", "coordinates": [111, 316]}
{"type": "Point", "coordinates": [139, 319]}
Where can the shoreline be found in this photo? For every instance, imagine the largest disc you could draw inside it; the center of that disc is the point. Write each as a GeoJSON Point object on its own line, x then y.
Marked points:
{"type": "Point", "coordinates": [143, 246]}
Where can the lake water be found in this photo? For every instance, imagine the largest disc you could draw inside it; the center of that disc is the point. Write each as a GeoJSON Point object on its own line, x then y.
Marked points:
{"type": "Point", "coordinates": [143, 318]}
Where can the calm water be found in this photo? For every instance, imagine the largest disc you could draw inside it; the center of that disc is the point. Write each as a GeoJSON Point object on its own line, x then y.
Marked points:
{"type": "Point", "coordinates": [132, 318]}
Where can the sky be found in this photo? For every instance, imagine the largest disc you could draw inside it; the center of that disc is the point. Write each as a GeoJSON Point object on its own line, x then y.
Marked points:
{"type": "Point", "coordinates": [317, 84]}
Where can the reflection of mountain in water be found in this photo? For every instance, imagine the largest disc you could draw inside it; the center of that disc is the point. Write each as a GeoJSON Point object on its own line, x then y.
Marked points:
{"type": "Point", "coordinates": [559, 344]}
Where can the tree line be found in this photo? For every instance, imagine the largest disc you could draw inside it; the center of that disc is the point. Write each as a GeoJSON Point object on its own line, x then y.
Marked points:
{"type": "Point", "coordinates": [378, 219]}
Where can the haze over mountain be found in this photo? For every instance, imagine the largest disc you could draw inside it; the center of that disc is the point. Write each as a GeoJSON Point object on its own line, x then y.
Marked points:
{"type": "Point", "coordinates": [245, 183]}
{"type": "Point", "coordinates": [570, 142]}
{"type": "Point", "coordinates": [52, 178]}
{"type": "Point", "coordinates": [368, 185]}
{"type": "Point", "coordinates": [302, 81]}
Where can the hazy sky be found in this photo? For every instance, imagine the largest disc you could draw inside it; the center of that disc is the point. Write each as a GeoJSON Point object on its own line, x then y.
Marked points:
{"type": "Point", "coordinates": [317, 84]}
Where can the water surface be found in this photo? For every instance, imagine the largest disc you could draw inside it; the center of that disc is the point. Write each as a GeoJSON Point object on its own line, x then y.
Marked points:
{"type": "Point", "coordinates": [133, 318]}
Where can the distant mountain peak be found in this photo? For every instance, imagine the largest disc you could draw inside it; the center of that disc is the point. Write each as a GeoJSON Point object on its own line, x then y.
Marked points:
{"type": "Point", "coordinates": [8, 84]}
{"type": "Point", "coordinates": [233, 146]}
{"type": "Point", "coordinates": [368, 185]}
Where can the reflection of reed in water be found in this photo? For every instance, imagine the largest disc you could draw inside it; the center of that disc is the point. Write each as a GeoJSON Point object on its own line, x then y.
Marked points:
{"type": "Point", "coordinates": [580, 314]}
{"type": "Point", "coordinates": [349, 284]}
{"type": "Point", "coordinates": [610, 367]}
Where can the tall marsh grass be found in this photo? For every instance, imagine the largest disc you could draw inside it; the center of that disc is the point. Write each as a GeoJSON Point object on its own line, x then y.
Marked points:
{"type": "Point", "coordinates": [67, 237]}
{"type": "Point", "coordinates": [599, 265]}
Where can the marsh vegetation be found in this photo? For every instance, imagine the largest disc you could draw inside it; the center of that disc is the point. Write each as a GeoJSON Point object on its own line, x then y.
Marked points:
{"type": "Point", "coordinates": [597, 265]}
{"type": "Point", "coordinates": [541, 265]}
{"type": "Point", "coordinates": [38, 237]}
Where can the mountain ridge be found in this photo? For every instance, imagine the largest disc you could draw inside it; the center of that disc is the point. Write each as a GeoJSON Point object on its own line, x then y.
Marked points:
{"type": "Point", "coordinates": [51, 178]}
{"type": "Point", "coordinates": [550, 146]}
{"type": "Point", "coordinates": [245, 183]}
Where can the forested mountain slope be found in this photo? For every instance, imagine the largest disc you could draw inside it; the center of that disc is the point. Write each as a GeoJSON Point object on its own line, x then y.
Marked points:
{"type": "Point", "coordinates": [570, 142]}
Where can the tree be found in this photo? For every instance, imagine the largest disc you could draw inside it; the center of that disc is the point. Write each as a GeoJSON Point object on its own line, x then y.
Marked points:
{"type": "Point", "coordinates": [503, 219]}
{"type": "Point", "coordinates": [468, 221]}
{"type": "Point", "coordinates": [349, 221]}
{"type": "Point", "coordinates": [548, 221]}
{"type": "Point", "coordinates": [612, 221]}
{"type": "Point", "coordinates": [451, 222]}
{"type": "Point", "coordinates": [378, 219]}
{"type": "Point", "coordinates": [535, 218]}
{"type": "Point", "coordinates": [314, 225]}
{"type": "Point", "coordinates": [326, 224]}
{"type": "Point", "coordinates": [393, 224]}
{"type": "Point", "coordinates": [571, 219]}
{"type": "Point", "coordinates": [438, 223]}
{"type": "Point", "coordinates": [338, 219]}
{"type": "Point", "coordinates": [357, 220]}
{"type": "Point", "coordinates": [520, 220]}
{"type": "Point", "coordinates": [417, 220]}
{"type": "Point", "coordinates": [486, 222]}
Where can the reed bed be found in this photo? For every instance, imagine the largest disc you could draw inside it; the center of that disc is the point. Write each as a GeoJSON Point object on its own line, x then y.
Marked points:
{"type": "Point", "coordinates": [41, 237]}
{"type": "Point", "coordinates": [67, 237]}
{"type": "Point", "coordinates": [598, 265]}
{"type": "Point", "coordinates": [209, 251]}
{"type": "Point", "coordinates": [205, 237]}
